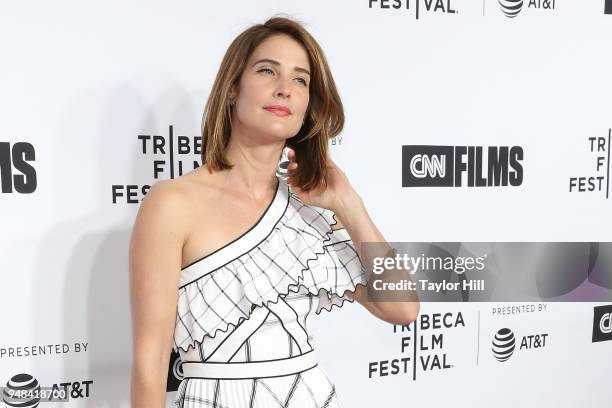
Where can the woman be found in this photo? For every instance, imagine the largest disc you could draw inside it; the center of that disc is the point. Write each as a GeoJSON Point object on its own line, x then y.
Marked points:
{"type": "Point", "coordinates": [229, 261]}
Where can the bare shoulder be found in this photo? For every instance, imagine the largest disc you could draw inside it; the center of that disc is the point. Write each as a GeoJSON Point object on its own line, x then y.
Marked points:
{"type": "Point", "coordinates": [168, 193]}
{"type": "Point", "coordinates": [166, 202]}
{"type": "Point", "coordinates": [181, 200]}
{"type": "Point", "coordinates": [165, 211]}
{"type": "Point", "coordinates": [161, 229]}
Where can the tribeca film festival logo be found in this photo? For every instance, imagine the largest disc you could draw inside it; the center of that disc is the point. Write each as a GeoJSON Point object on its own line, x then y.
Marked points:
{"type": "Point", "coordinates": [17, 175]}
{"type": "Point", "coordinates": [24, 390]}
{"type": "Point", "coordinates": [512, 8]}
{"type": "Point", "coordinates": [448, 166]}
{"type": "Point", "coordinates": [421, 346]}
{"type": "Point", "coordinates": [504, 343]}
{"type": "Point", "coordinates": [171, 155]}
{"type": "Point", "coordinates": [599, 180]}
{"type": "Point", "coordinates": [419, 6]}
{"type": "Point", "coordinates": [602, 323]}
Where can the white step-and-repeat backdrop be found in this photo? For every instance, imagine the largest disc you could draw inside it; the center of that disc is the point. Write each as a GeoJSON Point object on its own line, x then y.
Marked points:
{"type": "Point", "coordinates": [93, 94]}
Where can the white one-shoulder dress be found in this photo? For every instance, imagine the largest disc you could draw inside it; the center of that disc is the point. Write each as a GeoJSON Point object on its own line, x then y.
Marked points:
{"type": "Point", "coordinates": [244, 311]}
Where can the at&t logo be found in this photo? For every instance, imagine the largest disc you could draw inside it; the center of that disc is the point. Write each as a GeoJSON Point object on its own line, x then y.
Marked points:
{"type": "Point", "coordinates": [512, 8]}
{"type": "Point", "coordinates": [23, 390]}
{"type": "Point", "coordinates": [504, 343]}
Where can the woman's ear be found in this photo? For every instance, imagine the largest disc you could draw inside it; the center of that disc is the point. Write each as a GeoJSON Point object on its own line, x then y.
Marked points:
{"type": "Point", "coordinates": [231, 94]}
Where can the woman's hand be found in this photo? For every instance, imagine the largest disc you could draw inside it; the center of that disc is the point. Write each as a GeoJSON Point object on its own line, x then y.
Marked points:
{"type": "Point", "coordinates": [333, 197]}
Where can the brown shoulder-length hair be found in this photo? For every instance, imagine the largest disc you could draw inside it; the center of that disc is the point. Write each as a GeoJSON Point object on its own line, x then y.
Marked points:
{"type": "Point", "coordinates": [323, 120]}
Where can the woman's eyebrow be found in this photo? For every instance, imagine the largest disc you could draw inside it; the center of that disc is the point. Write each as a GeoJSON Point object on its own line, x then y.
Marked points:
{"type": "Point", "coordinates": [274, 62]}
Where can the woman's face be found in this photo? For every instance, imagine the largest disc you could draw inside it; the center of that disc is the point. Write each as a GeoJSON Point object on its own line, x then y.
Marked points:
{"type": "Point", "coordinates": [273, 91]}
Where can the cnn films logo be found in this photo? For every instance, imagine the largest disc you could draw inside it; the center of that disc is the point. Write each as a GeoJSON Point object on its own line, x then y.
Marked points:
{"type": "Point", "coordinates": [602, 323]}
{"type": "Point", "coordinates": [421, 346]}
{"type": "Point", "coordinates": [16, 171]}
{"type": "Point", "coordinates": [512, 8]}
{"type": "Point", "coordinates": [505, 342]}
{"type": "Point", "coordinates": [170, 155]}
{"type": "Point", "coordinates": [599, 180]}
{"type": "Point", "coordinates": [24, 390]}
{"type": "Point", "coordinates": [175, 372]}
{"type": "Point", "coordinates": [419, 6]}
{"type": "Point", "coordinates": [446, 166]}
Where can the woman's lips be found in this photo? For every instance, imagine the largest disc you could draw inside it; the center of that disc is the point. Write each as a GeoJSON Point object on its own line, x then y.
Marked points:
{"type": "Point", "coordinates": [277, 111]}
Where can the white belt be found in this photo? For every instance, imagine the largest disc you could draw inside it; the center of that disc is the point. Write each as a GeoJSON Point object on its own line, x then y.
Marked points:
{"type": "Point", "coordinates": [251, 369]}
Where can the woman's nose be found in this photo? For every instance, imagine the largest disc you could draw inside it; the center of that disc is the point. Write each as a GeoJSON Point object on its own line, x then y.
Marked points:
{"type": "Point", "coordinates": [283, 88]}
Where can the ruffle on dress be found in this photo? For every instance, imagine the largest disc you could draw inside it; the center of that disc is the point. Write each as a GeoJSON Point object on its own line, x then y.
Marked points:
{"type": "Point", "coordinates": [291, 245]}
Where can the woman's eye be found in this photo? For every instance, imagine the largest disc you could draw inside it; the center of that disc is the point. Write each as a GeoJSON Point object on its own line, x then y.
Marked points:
{"type": "Point", "coordinates": [270, 71]}
{"type": "Point", "coordinates": [265, 70]}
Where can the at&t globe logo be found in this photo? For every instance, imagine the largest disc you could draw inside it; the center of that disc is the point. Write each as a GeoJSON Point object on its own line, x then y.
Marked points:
{"type": "Point", "coordinates": [26, 384]}
{"type": "Point", "coordinates": [504, 343]}
{"type": "Point", "coordinates": [511, 8]}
